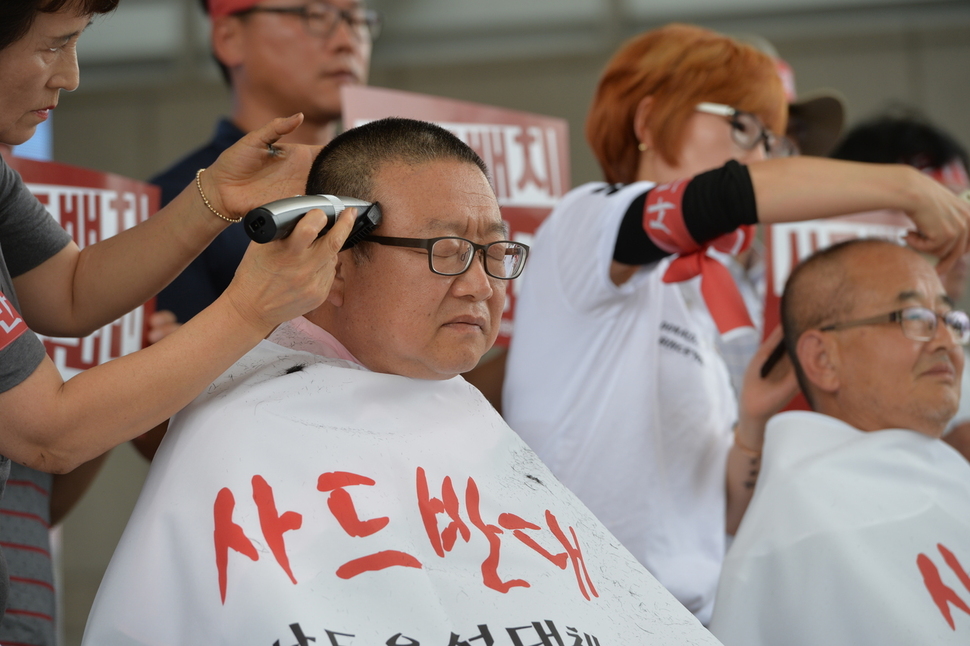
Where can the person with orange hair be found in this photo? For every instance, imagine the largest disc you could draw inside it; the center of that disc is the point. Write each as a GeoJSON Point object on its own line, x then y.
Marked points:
{"type": "Point", "coordinates": [613, 376]}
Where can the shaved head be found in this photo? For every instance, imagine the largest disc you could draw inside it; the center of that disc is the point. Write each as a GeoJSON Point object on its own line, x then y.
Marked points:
{"type": "Point", "coordinates": [854, 358]}
{"type": "Point", "coordinates": [819, 291]}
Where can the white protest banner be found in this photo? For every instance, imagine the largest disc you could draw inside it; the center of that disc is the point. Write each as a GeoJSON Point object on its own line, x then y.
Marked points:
{"type": "Point", "coordinates": [789, 243]}
{"type": "Point", "coordinates": [303, 499]}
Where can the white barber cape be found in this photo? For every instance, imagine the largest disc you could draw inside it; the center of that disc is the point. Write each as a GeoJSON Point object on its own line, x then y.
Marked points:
{"type": "Point", "coordinates": [851, 538]}
{"type": "Point", "coordinates": [305, 500]}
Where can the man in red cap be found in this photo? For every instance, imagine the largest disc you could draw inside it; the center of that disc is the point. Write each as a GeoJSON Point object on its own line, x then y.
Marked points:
{"type": "Point", "coordinates": [279, 57]}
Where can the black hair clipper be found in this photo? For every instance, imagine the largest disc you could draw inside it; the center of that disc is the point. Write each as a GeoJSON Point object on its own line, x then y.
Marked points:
{"type": "Point", "coordinates": [276, 220]}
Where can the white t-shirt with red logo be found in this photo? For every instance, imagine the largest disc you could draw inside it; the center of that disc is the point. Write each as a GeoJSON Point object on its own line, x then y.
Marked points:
{"type": "Point", "coordinates": [622, 393]}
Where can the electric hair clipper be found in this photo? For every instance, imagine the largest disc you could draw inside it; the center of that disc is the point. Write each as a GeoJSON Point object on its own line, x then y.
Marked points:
{"type": "Point", "coordinates": [276, 220]}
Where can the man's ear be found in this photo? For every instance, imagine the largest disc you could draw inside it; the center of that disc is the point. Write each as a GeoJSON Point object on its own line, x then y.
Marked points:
{"type": "Point", "coordinates": [339, 284]}
{"type": "Point", "coordinates": [818, 355]}
{"type": "Point", "coordinates": [640, 128]}
{"type": "Point", "coordinates": [227, 41]}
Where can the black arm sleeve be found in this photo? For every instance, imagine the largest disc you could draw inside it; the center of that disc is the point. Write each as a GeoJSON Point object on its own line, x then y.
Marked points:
{"type": "Point", "coordinates": [715, 202]}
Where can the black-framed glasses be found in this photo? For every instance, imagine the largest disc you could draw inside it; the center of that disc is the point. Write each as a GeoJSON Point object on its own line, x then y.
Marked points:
{"type": "Point", "coordinates": [321, 19]}
{"type": "Point", "coordinates": [451, 255]}
{"type": "Point", "coordinates": [748, 131]}
{"type": "Point", "coordinates": [918, 323]}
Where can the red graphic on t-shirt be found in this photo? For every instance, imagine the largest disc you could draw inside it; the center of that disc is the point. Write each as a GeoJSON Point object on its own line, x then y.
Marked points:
{"type": "Point", "coordinates": [342, 505]}
{"type": "Point", "coordinates": [11, 323]}
{"type": "Point", "coordinates": [663, 218]}
{"type": "Point", "coordinates": [442, 541]}
{"type": "Point", "coordinates": [457, 523]}
{"type": "Point", "coordinates": [375, 562]}
{"type": "Point", "coordinates": [943, 595]}
{"type": "Point", "coordinates": [517, 525]}
{"type": "Point", "coordinates": [490, 573]}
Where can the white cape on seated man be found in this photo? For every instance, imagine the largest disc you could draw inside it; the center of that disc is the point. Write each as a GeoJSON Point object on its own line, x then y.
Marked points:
{"type": "Point", "coordinates": [346, 487]}
{"type": "Point", "coordinates": [859, 528]}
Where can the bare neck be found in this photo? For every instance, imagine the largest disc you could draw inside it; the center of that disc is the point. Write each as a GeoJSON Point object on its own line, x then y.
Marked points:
{"type": "Point", "coordinates": [651, 167]}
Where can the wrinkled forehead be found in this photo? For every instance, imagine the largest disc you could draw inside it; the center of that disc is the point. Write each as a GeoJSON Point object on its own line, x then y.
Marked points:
{"type": "Point", "coordinates": [890, 275]}
{"type": "Point", "coordinates": [442, 197]}
{"type": "Point", "coordinates": [486, 228]}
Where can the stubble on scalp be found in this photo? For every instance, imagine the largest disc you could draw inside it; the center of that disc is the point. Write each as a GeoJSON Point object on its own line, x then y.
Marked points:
{"type": "Point", "coordinates": [349, 163]}
{"type": "Point", "coordinates": [819, 292]}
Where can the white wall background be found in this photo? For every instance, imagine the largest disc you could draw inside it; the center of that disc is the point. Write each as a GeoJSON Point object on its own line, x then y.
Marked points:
{"type": "Point", "coordinates": [149, 93]}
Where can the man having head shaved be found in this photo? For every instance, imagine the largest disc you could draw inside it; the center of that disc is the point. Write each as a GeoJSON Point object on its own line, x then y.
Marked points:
{"type": "Point", "coordinates": [343, 484]}
{"type": "Point", "coordinates": [859, 529]}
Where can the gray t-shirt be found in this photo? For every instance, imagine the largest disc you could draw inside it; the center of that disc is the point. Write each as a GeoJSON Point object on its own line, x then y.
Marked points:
{"type": "Point", "coordinates": [28, 237]}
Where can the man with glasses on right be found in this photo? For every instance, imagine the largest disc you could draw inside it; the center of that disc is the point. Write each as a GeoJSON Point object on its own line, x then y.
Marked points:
{"type": "Point", "coordinates": [859, 528]}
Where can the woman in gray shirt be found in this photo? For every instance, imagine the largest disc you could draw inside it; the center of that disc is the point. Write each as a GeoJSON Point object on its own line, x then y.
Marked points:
{"type": "Point", "coordinates": [50, 286]}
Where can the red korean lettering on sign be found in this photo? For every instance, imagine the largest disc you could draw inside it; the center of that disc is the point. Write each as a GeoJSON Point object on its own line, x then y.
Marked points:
{"type": "Point", "coordinates": [525, 139]}
{"type": "Point", "coordinates": [444, 540]}
{"type": "Point", "coordinates": [491, 532]}
{"type": "Point", "coordinates": [91, 206]}
{"type": "Point", "coordinates": [572, 554]}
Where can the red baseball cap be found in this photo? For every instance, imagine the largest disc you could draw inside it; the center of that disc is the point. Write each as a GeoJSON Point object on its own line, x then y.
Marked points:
{"type": "Point", "coordinates": [220, 8]}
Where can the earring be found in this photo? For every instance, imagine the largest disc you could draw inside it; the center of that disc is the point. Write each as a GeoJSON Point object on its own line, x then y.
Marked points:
{"type": "Point", "coordinates": [642, 147]}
